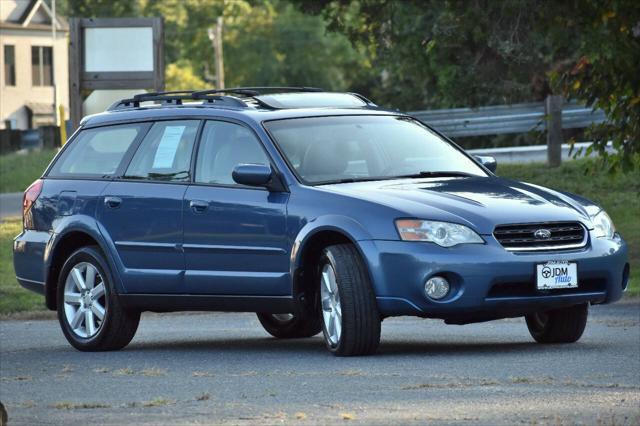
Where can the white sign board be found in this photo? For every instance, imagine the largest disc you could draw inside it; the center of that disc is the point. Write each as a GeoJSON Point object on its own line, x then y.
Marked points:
{"type": "Point", "coordinates": [118, 49]}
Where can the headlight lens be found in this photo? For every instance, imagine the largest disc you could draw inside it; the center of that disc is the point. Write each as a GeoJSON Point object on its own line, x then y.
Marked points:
{"type": "Point", "coordinates": [444, 234]}
{"type": "Point", "coordinates": [603, 225]}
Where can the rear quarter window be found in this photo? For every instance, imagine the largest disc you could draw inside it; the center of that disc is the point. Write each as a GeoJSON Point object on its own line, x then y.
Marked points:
{"type": "Point", "coordinates": [96, 152]}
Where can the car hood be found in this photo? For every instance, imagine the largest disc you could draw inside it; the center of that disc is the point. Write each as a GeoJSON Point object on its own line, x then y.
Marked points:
{"type": "Point", "coordinates": [479, 202]}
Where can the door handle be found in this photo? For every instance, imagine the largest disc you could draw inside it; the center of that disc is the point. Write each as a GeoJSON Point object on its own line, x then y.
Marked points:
{"type": "Point", "coordinates": [198, 206]}
{"type": "Point", "coordinates": [112, 202]}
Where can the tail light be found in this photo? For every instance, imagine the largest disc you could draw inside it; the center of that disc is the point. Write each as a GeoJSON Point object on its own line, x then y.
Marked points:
{"type": "Point", "coordinates": [30, 196]}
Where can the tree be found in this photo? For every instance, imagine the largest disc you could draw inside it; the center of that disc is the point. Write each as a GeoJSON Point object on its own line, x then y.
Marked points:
{"type": "Point", "coordinates": [605, 74]}
{"type": "Point", "coordinates": [467, 53]}
{"type": "Point", "coordinates": [181, 76]}
{"type": "Point", "coordinates": [266, 42]}
{"type": "Point", "coordinates": [98, 8]}
{"type": "Point", "coordinates": [273, 43]}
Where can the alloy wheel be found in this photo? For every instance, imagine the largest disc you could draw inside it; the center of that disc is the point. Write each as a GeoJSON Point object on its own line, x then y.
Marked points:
{"type": "Point", "coordinates": [331, 308]}
{"type": "Point", "coordinates": [84, 300]}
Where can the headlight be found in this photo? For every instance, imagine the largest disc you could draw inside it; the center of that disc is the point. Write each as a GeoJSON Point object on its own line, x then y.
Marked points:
{"type": "Point", "coordinates": [444, 234]}
{"type": "Point", "coordinates": [603, 225]}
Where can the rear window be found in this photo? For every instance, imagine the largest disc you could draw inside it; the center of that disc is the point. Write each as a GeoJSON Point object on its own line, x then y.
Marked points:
{"type": "Point", "coordinates": [96, 152]}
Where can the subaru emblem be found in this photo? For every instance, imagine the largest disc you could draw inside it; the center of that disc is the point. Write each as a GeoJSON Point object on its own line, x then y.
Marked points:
{"type": "Point", "coordinates": [542, 234]}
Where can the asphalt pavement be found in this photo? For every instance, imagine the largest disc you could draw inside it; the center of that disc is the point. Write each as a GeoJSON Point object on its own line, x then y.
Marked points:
{"type": "Point", "coordinates": [10, 205]}
{"type": "Point", "coordinates": [224, 369]}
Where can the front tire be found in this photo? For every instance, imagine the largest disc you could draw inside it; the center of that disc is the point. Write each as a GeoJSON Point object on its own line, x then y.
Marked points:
{"type": "Point", "coordinates": [350, 317]}
{"type": "Point", "coordinates": [289, 326]}
{"type": "Point", "coordinates": [564, 325]}
{"type": "Point", "coordinates": [89, 311]}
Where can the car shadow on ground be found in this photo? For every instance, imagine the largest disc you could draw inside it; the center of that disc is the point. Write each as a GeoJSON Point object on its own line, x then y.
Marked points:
{"type": "Point", "coordinates": [310, 346]}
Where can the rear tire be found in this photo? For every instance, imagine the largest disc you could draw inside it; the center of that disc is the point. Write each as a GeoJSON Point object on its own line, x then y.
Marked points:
{"type": "Point", "coordinates": [564, 325]}
{"type": "Point", "coordinates": [289, 326]}
{"type": "Point", "coordinates": [350, 317]}
{"type": "Point", "coordinates": [86, 293]}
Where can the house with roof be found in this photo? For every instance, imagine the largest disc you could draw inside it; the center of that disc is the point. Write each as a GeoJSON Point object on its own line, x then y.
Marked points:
{"type": "Point", "coordinates": [34, 51]}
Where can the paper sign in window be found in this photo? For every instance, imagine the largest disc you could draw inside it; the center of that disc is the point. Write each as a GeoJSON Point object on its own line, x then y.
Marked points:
{"type": "Point", "coordinates": [168, 146]}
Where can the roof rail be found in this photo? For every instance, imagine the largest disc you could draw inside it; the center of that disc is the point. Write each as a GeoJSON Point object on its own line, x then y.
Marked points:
{"type": "Point", "coordinates": [362, 98]}
{"type": "Point", "coordinates": [176, 98]}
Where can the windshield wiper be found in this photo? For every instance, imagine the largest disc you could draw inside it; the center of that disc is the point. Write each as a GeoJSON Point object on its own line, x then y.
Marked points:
{"type": "Point", "coordinates": [442, 173]}
{"type": "Point", "coordinates": [349, 180]}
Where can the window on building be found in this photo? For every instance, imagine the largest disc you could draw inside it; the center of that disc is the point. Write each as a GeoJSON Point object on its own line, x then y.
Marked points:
{"type": "Point", "coordinates": [42, 65]}
{"type": "Point", "coordinates": [9, 65]}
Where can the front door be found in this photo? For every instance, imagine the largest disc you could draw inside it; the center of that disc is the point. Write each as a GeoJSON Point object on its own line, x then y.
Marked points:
{"type": "Point", "coordinates": [234, 236]}
{"type": "Point", "coordinates": [142, 211]}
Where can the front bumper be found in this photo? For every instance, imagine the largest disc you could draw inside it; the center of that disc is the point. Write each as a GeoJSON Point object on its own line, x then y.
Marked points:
{"type": "Point", "coordinates": [488, 282]}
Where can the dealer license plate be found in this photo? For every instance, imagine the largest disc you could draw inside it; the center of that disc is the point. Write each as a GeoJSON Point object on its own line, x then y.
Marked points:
{"type": "Point", "coordinates": [557, 274]}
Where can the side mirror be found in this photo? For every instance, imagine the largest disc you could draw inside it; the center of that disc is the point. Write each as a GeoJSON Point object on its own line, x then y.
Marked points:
{"type": "Point", "coordinates": [488, 161]}
{"type": "Point", "coordinates": [252, 174]}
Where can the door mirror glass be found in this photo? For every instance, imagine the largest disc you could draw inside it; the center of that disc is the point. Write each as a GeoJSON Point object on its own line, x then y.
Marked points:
{"type": "Point", "coordinates": [252, 174]}
{"type": "Point", "coordinates": [488, 161]}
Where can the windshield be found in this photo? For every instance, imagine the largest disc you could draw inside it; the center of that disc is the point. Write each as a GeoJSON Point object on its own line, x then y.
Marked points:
{"type": "Point", "coordinates": [352, 148]}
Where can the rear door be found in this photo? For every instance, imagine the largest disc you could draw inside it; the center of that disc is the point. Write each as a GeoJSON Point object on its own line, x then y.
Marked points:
{"type": "Point", "coordinates": [142, 210]}
{"type": "Point", "coordinates": [235, 239]}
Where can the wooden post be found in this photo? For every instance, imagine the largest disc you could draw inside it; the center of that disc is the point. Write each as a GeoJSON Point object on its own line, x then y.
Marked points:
{"type": "Point", "coordinates": [158, 47]}
{"type": "Point", "coordinates": [219, 55]}
{"type": "Point", "coordinates": [553, 107]}
{"type": "Point", "coordinates": [82, 83]}
{"type": "Point", "coordinates": [75, 94]}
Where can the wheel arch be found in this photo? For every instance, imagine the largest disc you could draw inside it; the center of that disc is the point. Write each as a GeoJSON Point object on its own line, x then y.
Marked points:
{"type": "Point", "coordinates": [58, 251]}
{"type": "Point", "coordinates": [308, 246]}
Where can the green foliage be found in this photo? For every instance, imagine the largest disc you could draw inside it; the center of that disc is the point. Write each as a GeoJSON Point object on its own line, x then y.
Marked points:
{"type": "Point", "coordinates": [605, 75]}
{"type": "Point", "coordinates": [278, 45]}
{"type": "Point", "coordinates": [266, 42]}
{"type": "Point", "coordinates": [452, 54]}
{"type": "Point", "coordinates": [436, 54]}
{"type": "Point", "coordinates": [181, 76]}
{"type": "Point", "coordinates": [13, 298]}
{"type": "Point", "coordinates": [97, 8]}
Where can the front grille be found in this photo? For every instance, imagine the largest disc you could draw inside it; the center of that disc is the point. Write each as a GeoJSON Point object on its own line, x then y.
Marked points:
{"type": "Point", "coordinates": [541, 236]}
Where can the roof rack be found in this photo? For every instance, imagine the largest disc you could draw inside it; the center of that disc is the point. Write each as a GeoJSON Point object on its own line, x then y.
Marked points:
{"type": "Point", "coordinates": [176, 98]}
{"type": "Point", "coordinates": [248, 96]}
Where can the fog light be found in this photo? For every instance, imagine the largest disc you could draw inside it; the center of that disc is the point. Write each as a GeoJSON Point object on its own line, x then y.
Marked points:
{"type": "Point", "coordinates": [436, 287]}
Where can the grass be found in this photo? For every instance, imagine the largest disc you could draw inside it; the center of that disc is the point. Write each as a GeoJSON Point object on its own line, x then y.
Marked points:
{"type": "Point", "coordinates": [66, 405]}
{"type": "Point", "coordinates": [18, 171]}
{"type": "Point", "coordinates": [13, 298]}
{"type": "Point", "coordinates": [619, 195]}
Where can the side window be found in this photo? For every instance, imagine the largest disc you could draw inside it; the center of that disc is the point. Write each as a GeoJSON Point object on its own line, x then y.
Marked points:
{"type": "Point", "coordinates": [225, 145]}
{"type": "Point", "coordinates": [96, 152]}
{"type": "Point", "coordinates": [165, 152]}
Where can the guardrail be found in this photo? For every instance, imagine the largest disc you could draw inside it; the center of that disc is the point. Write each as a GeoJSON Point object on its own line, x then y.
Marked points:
{"type": "Point", "coordinates": [503, 119]}
{"type": "Point", "coordinates": [550, 116]}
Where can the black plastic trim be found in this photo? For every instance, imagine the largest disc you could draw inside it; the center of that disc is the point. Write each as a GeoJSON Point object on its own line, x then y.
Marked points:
{"type": "Point", "coordinates": [189, 302]}
{"type": "Point", "coordinates": [35, 286]}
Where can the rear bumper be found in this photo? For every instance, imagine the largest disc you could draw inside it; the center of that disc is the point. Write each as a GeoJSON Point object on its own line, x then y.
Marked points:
{"type": "Point", "coordinates": [487, 281]}
{"type": "Point", "coordinates": [29, 250]}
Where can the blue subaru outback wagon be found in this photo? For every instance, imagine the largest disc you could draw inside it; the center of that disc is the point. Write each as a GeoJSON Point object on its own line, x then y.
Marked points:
{"type": "Point", "coordinates": [318, 211]}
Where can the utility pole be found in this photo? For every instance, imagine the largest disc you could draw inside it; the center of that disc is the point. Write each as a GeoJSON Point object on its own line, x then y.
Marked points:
{"type": "Point", "coordinates": [53, 63]}
{"type": "Point", "coordinates": [215, 35]}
